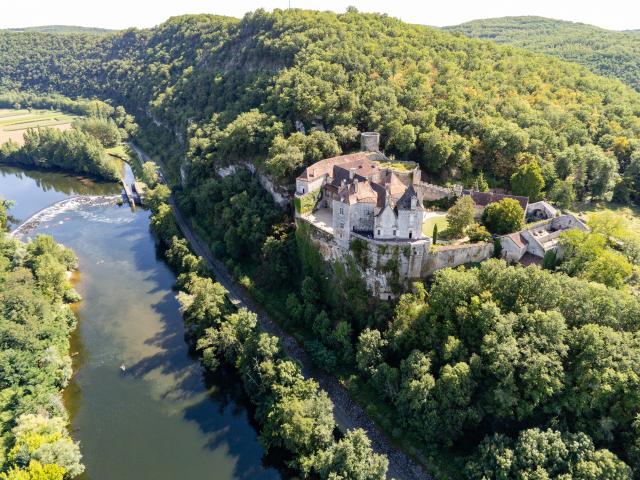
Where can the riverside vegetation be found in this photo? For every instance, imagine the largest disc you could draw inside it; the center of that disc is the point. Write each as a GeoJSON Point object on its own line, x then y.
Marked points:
{"type": "Point", "coordinates": [294, 414]}
{"type": "Point", "coordinates": [81, 149]}
{"type": "Point", "coordinates": [497, 372]}
{"type": "Point", "coordinates": [35, 323]}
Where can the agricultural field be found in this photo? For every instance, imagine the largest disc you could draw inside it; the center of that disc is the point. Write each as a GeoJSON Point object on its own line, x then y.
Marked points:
{"type": "Point", "coordinates": [14, 123]}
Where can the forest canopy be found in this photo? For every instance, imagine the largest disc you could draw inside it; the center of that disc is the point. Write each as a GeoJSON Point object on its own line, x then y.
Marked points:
{"type": "Point", "coordinates": [606, 52]}
{"type": "Point", "coordinates": [35, 324]}
{"type": "Point", "coordinates": [457, 106]}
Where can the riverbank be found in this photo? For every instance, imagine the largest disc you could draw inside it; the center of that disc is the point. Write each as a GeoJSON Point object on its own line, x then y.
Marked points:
{"type": "Point", "coordinates": [349, 415]}
{"type": "Point", "coordinates": [165, 418]}
{"type": "Point", "coordinates": [36, 322]}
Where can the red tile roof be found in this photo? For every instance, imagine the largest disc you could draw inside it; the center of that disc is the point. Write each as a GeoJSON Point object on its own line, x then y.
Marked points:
{"type": "Point", "coordinates": [518, 239]}
{"type": "Point", "coordinates": [324, 167]}
{"type": "Point", "coordinates": [485, 198]}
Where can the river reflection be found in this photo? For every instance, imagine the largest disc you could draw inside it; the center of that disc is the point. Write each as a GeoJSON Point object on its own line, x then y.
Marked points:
{"type": "Point", "coordinates": [33, 190]}
{"type": "Point", "coordinates": [159, 420]}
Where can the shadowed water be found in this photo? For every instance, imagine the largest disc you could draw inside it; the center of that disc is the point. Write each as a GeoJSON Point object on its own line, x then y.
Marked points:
{"type": "Point", "coordinates": [160, 420]}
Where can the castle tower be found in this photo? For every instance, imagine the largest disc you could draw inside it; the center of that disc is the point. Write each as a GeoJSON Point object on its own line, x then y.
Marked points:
{"type": "Point", "coordinates": [370, 141]}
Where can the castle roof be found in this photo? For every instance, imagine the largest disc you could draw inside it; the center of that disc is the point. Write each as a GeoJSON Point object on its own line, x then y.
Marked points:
{"type": "Point", "coordinates": [404, 203]}
{"type": "Point", "coordinates": [393, 184]}
{"type": "Point", "coordinates": [483, 199]}
{"type": "Point", "coordinates": [361, 170]}
{"type": "Point", "coordinates": [358, 192]}
{"type": "Point", "coordinates": [518, 239]}
{"type": "Point", "coordinates": [326, 166]}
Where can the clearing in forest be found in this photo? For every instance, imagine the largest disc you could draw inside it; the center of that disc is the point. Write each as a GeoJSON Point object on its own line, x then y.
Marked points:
{"type": "Point", "coordinates": [14, 123]}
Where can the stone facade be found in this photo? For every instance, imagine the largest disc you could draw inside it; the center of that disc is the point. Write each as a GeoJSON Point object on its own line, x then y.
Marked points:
{"type": "Point", "coordinates": [455, 255]}
{"type": "Point", "coordinates": [366, 195]}
{"type": "Point", "coordinates": [407, 257]}
{"type": "Point", "coordinates": [538, 239]}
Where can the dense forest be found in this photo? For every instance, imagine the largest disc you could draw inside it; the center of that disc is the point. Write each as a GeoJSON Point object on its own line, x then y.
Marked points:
{"type": "Point", "coordinates": [497, 372]}
{"type": "Point", "coordinates": [296, 85]}
{"type": "Point", "coordinates": [61, 29]}
{"type": "Point", "coordinates": [606, 52]}
{"type": "Point", "coordinates": [35, 324]}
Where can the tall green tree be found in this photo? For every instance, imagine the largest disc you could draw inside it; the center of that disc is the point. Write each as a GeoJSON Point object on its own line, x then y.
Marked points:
{"type": "Point", "coordinates": [460, 216]}
{"type": "Point", "coordinates": [528, 181]}
{"type": "Point", "coordinates": [505, 216]}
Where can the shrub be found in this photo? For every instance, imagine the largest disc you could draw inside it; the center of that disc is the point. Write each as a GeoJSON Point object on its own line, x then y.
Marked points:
{"type": "Point", "coordinates": [478, 233]}
{"type": "Point", "coordinates": [505, 216]}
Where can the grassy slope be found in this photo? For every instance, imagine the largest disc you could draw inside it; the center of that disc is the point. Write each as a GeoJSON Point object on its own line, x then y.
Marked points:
{"type": "Point", "coordinates": [606, 52]}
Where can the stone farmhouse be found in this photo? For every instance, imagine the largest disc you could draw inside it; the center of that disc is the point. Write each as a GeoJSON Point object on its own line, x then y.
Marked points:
{"type": "Point", "coordinates": [531, 244]}
{"type": "Point", "coordinates": [365, 197]}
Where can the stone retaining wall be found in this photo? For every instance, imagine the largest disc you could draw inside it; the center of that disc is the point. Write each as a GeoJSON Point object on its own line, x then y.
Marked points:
{"type": "Point", "coordinates": [453, 256]}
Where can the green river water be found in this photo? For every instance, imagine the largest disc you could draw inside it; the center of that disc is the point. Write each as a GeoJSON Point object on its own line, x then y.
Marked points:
{"type": "Point", "coordinates": [162, 419]}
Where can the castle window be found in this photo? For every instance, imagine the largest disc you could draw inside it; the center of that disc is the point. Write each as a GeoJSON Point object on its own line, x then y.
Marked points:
{"type": "Point", "coordinates": [341, 225]}
{"type": "Point", "coordinates": [410, 234]}
{"type": "Point", "coordinates": [394, 233]}
{"type": "Point", "coordinates": [341, 211]}
{"type": "Point", "coordinates": [378, 232]}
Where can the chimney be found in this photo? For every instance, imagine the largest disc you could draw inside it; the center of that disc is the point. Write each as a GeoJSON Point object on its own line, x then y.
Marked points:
{"type": "Point", "coordinates": [355, 184]}
{"type": "Point", "coordinates": [370, 141]}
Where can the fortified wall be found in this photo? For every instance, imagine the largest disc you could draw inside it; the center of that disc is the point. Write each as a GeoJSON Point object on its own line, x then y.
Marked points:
{"type": "Point", "coordinates": [390, 266]}
{"type": "Point", "coordinates": [387, 266]}
{"type": "Point", "coordinates": [454, 255]}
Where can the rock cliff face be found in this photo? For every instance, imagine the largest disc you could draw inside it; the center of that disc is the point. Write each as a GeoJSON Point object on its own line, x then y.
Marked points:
{"type": "Point", "coordinates": [279, 194]}
{"type": "Point", "coordinates": [388, 267]}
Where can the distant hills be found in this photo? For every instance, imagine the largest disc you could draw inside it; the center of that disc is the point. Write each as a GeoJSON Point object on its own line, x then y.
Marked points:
{"type": "Point", "coordinates": [62, 29]}
{"type": "Point", "coordinates": [606, 52]}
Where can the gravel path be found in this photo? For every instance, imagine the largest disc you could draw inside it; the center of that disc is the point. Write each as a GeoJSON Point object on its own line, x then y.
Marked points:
{"type": "Point", "coordinates": [348, 414]}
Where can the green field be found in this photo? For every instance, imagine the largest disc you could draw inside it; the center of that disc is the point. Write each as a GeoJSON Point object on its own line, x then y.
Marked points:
{"type": "Point", "coordinates": [13, 123]}
{"type": "Point", "coordinates": [427, 226]}
{"type": "Point", "coordinates": [630, 214]}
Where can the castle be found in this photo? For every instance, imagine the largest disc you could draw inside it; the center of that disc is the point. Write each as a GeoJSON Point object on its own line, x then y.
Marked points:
{"type": "Point", "coordinates": [363, 193]}
{"type": "Point", "coordinates": [366, 198]}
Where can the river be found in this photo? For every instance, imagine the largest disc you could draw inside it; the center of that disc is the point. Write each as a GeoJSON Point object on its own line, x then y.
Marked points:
{"type": "Point", "coordinates": [163, 419]}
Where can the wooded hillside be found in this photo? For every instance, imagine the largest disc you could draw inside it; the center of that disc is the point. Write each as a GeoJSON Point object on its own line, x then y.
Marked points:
{"type": "Point", "coordinates": [455, 105]}
{"type": "Point", "coordinates": [606, 52]}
